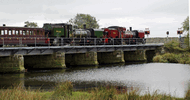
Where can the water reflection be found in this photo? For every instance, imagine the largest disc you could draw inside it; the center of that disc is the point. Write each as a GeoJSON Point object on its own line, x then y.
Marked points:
{"type": "Point", "coordinates": [9, 80]}
{"type": "Point", "coordinates": [171, 79]}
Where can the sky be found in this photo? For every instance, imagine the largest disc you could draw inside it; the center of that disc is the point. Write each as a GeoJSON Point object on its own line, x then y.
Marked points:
{"type": "Point", "coordinates": [159, 16]}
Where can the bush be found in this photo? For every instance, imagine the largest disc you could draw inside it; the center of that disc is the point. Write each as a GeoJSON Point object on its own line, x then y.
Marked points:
{"type": "Point", "coordinates": [187, 96]}
{"type": "Point", "coordinates": [170, 57]}
{"type": "Point", "coordinates": [173, 47]}
{"type": "Point", "coordinates": [160, 59]}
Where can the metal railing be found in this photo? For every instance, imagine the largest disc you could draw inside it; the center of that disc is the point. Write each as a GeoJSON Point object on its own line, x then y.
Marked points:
{"type": "Point", "coordinates": [41, 41]}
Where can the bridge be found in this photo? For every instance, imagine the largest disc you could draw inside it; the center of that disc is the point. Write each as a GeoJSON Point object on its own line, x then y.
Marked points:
{"type": "Point", "coordinates": [17, 59]}
{"type": "Point", "coordinates": [8, 51]}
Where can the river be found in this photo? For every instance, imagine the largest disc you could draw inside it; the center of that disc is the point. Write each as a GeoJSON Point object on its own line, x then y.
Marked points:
{"type": "Point", "coordinates": [168, 78]}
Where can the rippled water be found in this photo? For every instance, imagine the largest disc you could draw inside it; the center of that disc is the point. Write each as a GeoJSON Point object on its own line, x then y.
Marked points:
{"type": "Point", "coordinates": [171, 79]}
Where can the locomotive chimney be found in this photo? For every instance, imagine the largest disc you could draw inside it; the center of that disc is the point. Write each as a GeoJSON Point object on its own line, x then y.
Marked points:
{"type": "Point", "coordinates": [130, 28]}
{"type": "Point", "coordinates": [84, 26]}
{"type": "Point", "coordinates": [4, 25]}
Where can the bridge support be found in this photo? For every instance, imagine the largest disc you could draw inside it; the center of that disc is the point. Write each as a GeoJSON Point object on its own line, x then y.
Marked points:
{"type": "Point", "coordinates": [150, 54]}
{"type": "Point", "coordinates": [111, 57]}
{"type": "Point", "coordinates": [138, 55]}
{"type": "Point", "coordinates": [11, 64]}
{"type": "Point", "coordinates": [56, 60]}
{"type": "Point", "coordinates": [88, 58]}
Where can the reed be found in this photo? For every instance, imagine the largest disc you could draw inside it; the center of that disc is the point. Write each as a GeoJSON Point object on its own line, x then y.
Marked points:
{"type": "Point", "coordinates": [64, 91]}
{"type": "Point", "coordinates": [19, 93]}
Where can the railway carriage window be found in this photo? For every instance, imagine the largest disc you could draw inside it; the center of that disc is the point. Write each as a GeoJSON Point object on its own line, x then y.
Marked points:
{"type": "Point", "coordinates": [5, 32]}
{"type": "Point", "coordinates": [43, 32]}
{"type": "Point", "coordinates": [27, 32]}
{"type": "Point", "coordinates": [10, 32]}
{"type": "Point", "coordinates": [2, 32]}
{"type": "Point", "coordinates": [37, 32]}
{"type": "Point", "coordinates": [34, 32]}
{"type": "Point", "coordinates": [13, 32]}
{"type": "Point", "coordinates": [20, 32]}
{"type": "Point", "coordinates": [16, 32]}
{"type": "Point", "coordinates": [23, 32]}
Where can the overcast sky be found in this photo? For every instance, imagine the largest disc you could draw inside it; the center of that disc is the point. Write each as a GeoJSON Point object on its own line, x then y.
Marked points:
{"type": "Point", "coordinates": [157, 15]}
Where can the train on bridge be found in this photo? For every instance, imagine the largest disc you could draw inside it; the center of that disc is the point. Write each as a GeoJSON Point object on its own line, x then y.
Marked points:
{"type": "Point", "coordinates": [64, 34]}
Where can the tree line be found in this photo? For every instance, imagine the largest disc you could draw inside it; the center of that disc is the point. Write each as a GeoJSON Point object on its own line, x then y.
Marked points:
{"type": "Point", "coordinates": [79, 20]}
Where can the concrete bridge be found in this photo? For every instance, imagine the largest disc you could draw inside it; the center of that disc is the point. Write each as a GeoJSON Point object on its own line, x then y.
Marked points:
{"type": "Point", "coordinates": [17, 59]}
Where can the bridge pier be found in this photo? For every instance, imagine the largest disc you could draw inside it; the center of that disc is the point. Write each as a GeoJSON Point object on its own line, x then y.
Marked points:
{"type": "Point", "coordinates": [138, 55]}
{"type": "Point", "coordinates": [150, 54]}
{"type": "Point", "coordinates": [11, 64]}
{"type": "Point", "coordinates": [88, 58]}
{"type": "Point", "coordinates": [55, 60]}
{"type": "Point", "coordinates": [111, 57]}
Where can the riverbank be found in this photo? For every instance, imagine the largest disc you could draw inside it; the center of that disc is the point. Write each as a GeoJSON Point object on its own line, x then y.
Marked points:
{"type": "Point", "coordinates": [65, 91]}
{"type": "Point", "coordinates": [172, 53]}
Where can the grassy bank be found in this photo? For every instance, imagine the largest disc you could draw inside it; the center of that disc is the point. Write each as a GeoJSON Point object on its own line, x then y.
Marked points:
{"type": "Point", "coordinates": [64, 91]}
{"type": "Point", "coordinates": [173, 53]}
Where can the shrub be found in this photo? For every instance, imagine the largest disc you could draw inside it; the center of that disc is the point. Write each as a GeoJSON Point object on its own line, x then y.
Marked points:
{"type": "Point", "coordinates": [159, 58]}
{"type": "Point", "coordinates": [187, 96]}
{"type": "Point", "coordinates": [170, 57]}
{"type": "Point", "coordinates": [173, 47]}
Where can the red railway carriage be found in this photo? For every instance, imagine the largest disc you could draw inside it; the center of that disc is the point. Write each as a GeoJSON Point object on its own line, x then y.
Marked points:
{"type": "Point", "coordinates": [21, 36]}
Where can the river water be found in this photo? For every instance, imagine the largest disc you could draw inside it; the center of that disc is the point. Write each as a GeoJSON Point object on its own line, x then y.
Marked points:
{"type": "Point", "coordinates": [168, 78]}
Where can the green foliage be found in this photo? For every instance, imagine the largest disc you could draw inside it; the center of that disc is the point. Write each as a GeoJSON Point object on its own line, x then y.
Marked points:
{"type": "Point", "coordinates": [186, 24]}
{"type": "Point", "coordinates": [31, 24]}
{"type": "Point", "coordinates": [81, 19]}
{"type": "Point", "coordinates": [159, 58]}
{"type": "Point", "coordinates": [186, 41]}
{"type": "Point", "coordinates": [170, 57]}
{"type": "Point", "coordinates": [173, 47]}
{"type": "Point", "coordinates": [187, 96]}
{"type": "Point", "coordinates": [186, 29]}
{"type": "Point", "coordinates": [183, 58]}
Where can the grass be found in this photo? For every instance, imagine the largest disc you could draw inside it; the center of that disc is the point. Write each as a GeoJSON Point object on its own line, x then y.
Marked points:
{"type": "Point", "coordinates": [64, 91]}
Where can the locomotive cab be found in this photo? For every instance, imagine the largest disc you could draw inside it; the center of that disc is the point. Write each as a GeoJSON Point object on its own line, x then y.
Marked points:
{"type": "Point", "coordinates": [114, 32]}
{"type": "Point", "coordinates": [58, 29]}
{"type": "Point", "coordinates": [138, 34]}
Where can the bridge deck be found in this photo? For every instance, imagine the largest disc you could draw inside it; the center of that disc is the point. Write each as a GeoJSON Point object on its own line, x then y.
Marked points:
{"type": "Point", "coordinates": [7, 51]}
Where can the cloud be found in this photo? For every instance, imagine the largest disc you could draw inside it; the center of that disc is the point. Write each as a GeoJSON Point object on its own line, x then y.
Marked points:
{"type": "Point", "coordinates": [158, 15]}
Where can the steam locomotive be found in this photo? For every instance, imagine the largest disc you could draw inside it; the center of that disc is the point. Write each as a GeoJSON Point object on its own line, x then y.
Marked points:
{"type": "Point", "coordinates": [64, 34]}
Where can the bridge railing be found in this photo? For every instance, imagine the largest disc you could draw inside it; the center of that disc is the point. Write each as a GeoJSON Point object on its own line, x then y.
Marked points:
{"type": "Point", "coordinates": [41, 41]}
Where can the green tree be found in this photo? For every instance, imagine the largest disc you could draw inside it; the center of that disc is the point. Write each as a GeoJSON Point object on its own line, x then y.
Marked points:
{"type": "Point", "coordinates": [186, 29]}
{"type": "Point", "coordinates": [31, 24]}
{"type": "Point", "coordinates": [81, 19]}
{"type": "Point", "coordinates": [186, 25]}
